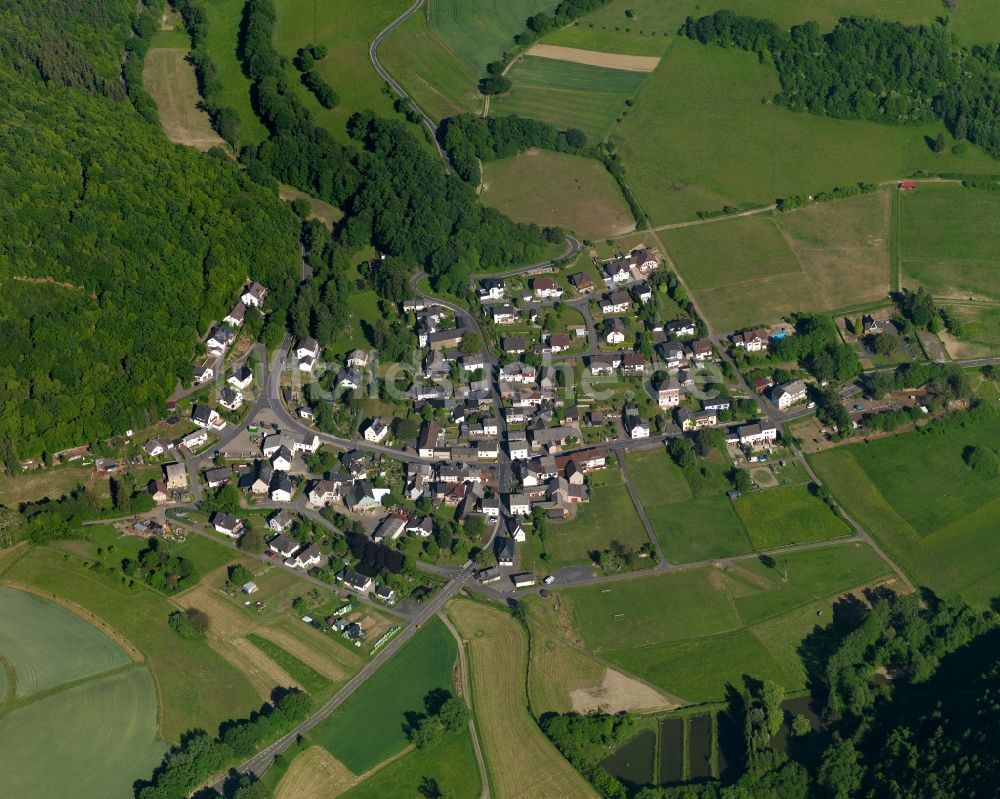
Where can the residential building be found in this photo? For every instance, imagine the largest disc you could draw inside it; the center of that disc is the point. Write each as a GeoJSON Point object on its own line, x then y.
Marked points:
{"type": "Point", "coordinates": [356, 581]}
{"type": "Point", "coordinates": [752, 435]}
{"type": "Point", "coordinates": [503, 314]}
{"type": "Point", "coordinates": [218, 477]}
{"type": "Point", "coordinates": [431, 437]}
{"type": "Point", "coordinates": [281, 487]}
{"type": "Point", "coordinates": [376, 431]}
{"type": "Point", "coordinates": [545, 288]}
{"type": "Point", "coordinates": [283, 545]}
{"type": "Point", "coordinates": [614, 330]}
{"type": "Point", "coordinates": [787, 394]}
{"type": "Point", "coordinates": [241, 378]}
{"type": "Point", "coordinates": [581, 282]}
{"type": "Point", "coordinates": [254, 295]}
{"type": "Point", "coordinates": [750, 340]}
{"type": "Point", "coordinates": [279, 521]}
{"type": "Point", "coordinates": [306, 559]}
{"type": "Point", "coordinates": [236, 314]}
{"type": "Point", "coordinates": [202, 374]}
{"type": "Point", "coordinates": [227, 524]}
{"type": "Point", "coordinates": [680, 328]}
{"type": "Point", "coordinates": [505, 549]}
{"type": "Point", "coordinates": [617, 302]}
{"type": "Point", "coordinates": [230, 399]}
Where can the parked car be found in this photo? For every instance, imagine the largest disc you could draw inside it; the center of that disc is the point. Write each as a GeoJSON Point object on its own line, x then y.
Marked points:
{"type": "Point", "coordinates": [549, 580]}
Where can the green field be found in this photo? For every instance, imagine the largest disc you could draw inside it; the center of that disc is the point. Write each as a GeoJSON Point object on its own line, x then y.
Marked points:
{"type": "Point", "coordinates": [690, 632]}
{"type": "Point", "coordinates": [689, 528]}
{"type": "Point", "coordinates": [304, 674]}
{"type": "Point", "coordinates": [479, 31]}
{"type": "Point", "coordinates": [568, 95]}
{"type": "Point", "coordinates": [981, 331]}
{"type": "Point", "coordinates": [368, 728]}
{"type": "Point", "coordinates": [757, 269]}
{"type": "Point", "coordinates": [787, 515]}
{"type": "Point", "coordinates": [944, 538]}
{"type": "Point", "coordinates": [705, 133]}
{"type": "Point", "coordinates": [549, 188]}
{"type": "Point", "coordinates": [949, 241]}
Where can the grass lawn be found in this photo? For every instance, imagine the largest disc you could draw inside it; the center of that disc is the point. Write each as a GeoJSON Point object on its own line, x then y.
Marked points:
{"type": "Point", "coordinates": [51, 483]}
{"type": "Point", "coordinates": [169, 79]}
{"type": "Point", "coordinates": [704, 133]}
{"type": "Point", "coordinates": [569, 95]}
{"type": "Point", "coordinates": [949, 241]}
{"type": "Point", "coordinates": [549, 188]}
{"type": "Point", "coordinates": [187, 673]}
{"type": "Point", "coordinates": [981, 331]}
{"type": "Point", "coordinates": [944, 539]}
{"type": "Point", "coordinates": [787, 515]}
{"type": "Point", "coordinates": [497, 647]}
{"type": "Point", "coordinates": [363, 314]}
{"type": "Point", "coordinates": [369, 727]}
{"type": "Point", "coordinates": [324, 212]}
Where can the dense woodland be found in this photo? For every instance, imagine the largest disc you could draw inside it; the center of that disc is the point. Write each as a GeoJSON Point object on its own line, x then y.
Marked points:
{"type": "Point", "coordinates": [871, 69]}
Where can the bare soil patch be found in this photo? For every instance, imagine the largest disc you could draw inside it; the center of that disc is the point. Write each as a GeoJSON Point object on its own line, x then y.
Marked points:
{"type": "Point", "coordinates": [618, 692]}
{"type": "Point", "coordinates": [631, 63]}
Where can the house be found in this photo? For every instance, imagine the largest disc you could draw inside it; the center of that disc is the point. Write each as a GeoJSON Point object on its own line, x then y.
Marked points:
{"type": "Point", "coordinates": [226, 523]}
{"type": "Point", "coordinates": [350, 379]}
{"type": "Point", "coordinates": [305, 412]}
{"type": "Point", "coordinates": [236, 314]}
{"type": "Point", "coordinates": [696, 420]}
{"type": "Point", "coordinates": [376, 431]}
{"type": "Point", "coordinates": [614, 330]}
{"type": "Point", "coordinates": [218, 477]}
{"type": "Point", "coordinates": [523, 579]}
{"type": "Point", "coordinates": [323, 492]}
{"type": "Point", "coordinates": [154, 447]}
{"type": "Point", "coordinates": [504, 548]}
{"type": "Point", "coordinates": [281, 460]}
{"type": "Point", "coordinates": [503, 314]}
{"type": "Point", "coordinates": [581, 283]}
{"type": "Point", "coordinates": [202, 374]}
{"type": "Point", "coordinates": [787, 394]}
{"type": "Point", "coordinates": [194, 440]}
{"type": "Point", "coordinates": [258, 479]}
{"type": "Point", "coordinates": [642, 293]}
{"type": "Point", "coordinates": [283, 545]}
{"type": "Point", "coordinates": [307, 559]}
{"type": "Point", "coordinates": [386, 594]}
{"type": "Point", "coordinates": [870, 326]}
{"type": "Point", "coordinates": [206, 417]}
{"type": "Point", "coordinates": [488, 575]}
{"type": "Point", "coordinates": [616, 303]}
{"type": "Point", "coordinates": [701, 349]}
{"type": "Point", "coordinates": [446, 339]}
{"type": "Point", "coordinates": [358, 359]}
{"type": "Point", "coordinates": [644, 260]}
{"type": "Point", "coordinates": [281, 487]}
{"type": "Point", "coordinates": [602, 364]}
{"type": "Point", "coordinates": [633, 363]}
{"type": "Point", "coordinates": [668, 396]}
{"type": "Point", "coordinates": [158, 491]}
{"type": "Point", "coordinates": [431, 437]}
{"type": "Point", "coordinates": [390, 528]}
{"type": "Point", "coordinates": [279, 521]}
{"type": "Point", "coordinates": [518, 372]}
{"type": "Point", "coordinates": [718, 404]}
{"type": "Point", "coordinates": [751, 340]}
{"type": "Point", "coordinates": [520, 505]}
{"type": "Point", "coordinates": [517, 445]}
{"type": "Point", "coordinates": [241, 378]}
{"type": "Point", "coordinates": [307, 347]}
{"type": "Point", "coordinates": [175, 475]}
{"type": "Point", "coordinates": [230, 399]}
{"type": "Point", "coordinates": [422, 527]}
{"type": "Point", "coordinates": [220, 338]}
{"type": "Point", "coordinates": [635, 425]}
{"type": "Point", "coordinates": [545, 288]}
{"type": "Point", "coordinates": [471, 363]}
{"type": "Point", "coordinates": [761, 384]}
{"type": "Point", "coordinates": [249, 588]}
{"type": "Point", "coordinates": [513, 345]}
{"type": "Point", "coordinates": [254, 295]}
{"type": "Point", "coordinates": [362, 497]}
{"type": "Point", "coordinates": [356, 581]}
{"type": "Point", "coordinates": [680, 328]}
{"type": "Point", "coordinates": [751, 435]}
{"type": "Point", "coordinates": [617, 271]}
{"type": "Point", "coordinates": [559, 342]}
{"type": "Point", "coordinates": [492, 289]}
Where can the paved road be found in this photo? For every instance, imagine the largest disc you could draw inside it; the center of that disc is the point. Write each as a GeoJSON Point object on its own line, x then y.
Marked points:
{"type": "Point", "coordinates": [399, 90]}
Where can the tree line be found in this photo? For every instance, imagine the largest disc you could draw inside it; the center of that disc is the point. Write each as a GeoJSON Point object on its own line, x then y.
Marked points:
{"type": "Point", "coordinates": [872, 69]}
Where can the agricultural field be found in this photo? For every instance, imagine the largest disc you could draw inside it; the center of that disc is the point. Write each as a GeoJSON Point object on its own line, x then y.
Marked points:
{"type": "Point", "coordinates": [369, 727]}
{"type": "Point", "coordinates": [690, 632]}
{"type": "Point", "coordinates": [788, 515]}
{"type": "Point", "coordinates": [757, 269]}
{"type": "Point", "coordinates": [689, 528]}
{"type": "Point", "coordinates": [169, 79]}
{"type": "Point", "coordinates": [949, 241]}
{"type": "Point", "coordinates": [942, 538]}
{"type": "Point", "coordinates": [980, 331]}
{"type": "Point", "coordinates": [80, 717]}
{"type": "Point", "coordinates": [498, 659]}
{"type": "Point", "coordinates": [648, 31]}
{"type": "Point", "coordinates": [569, 94]}
{"type": "Point", "coordinates": [549, 188]}
{"type": "Point", "coordinates": [703, 133]}
{"type": "Point", "coordinates": [53, 483]}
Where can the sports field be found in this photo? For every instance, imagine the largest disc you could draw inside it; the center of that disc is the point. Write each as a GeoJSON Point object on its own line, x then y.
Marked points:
{"type": "Point", "coordinates": [949, 241]}
{"type": "Point", "coordinates": [550, 188]}
{"type": "Point", "coordinates": [80, 718]}
{"type": "Point", "coordinates": [368, 728]}
{"type": "Point", "coordinates": [498, 658]}
{"type": "Point", "coordinates": [788, 515]}
{"type": "Point", "coordinates": [169, 79]}
{"type": "Point", "coordinates": [689, 528]}
{"type": "Point", "coordinates": [944, 538]}
{"type": "Point", "coordinates": [687, 632]}
{"type": "Point", "coordinates": [568, 94]}
{"type": "Point", "coordinates": [704, 133]}
{"type": "Point", "coordinates": [758, 269]}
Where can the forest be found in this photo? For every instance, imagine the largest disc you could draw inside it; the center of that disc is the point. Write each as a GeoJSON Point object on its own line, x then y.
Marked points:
{"type": "Point", "coordinates": [117, 248]}
{"type": "Point", "coordinates": [871, 69]}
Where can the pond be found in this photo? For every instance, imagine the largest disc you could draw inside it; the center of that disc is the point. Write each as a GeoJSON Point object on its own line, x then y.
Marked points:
{"type": "Point", "coordinates": [700, 748]}
{"type": "Point", "coordinates": [633, 763]}
{"type": "Point", "coordinates": [730, 733]}
{"type": "Point", "coordinates": [805, 749]}
{"type": "Point", "coordinates": [671, 751]}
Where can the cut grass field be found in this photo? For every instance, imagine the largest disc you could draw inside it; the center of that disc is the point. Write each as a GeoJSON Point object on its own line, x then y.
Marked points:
{"type": "Point", "coordinates": [304, 674]}
{"type": "Point", "coordinates": [756, 269]}
{"type": "Point", "coordinates": [169, 79]}
{"type": "Point", "coordinates": [945, 539]}
{"type": "Point", "coordinates": [787, 515]}
{"type": "Point", "coordinates": [568, 95]}
{"type": "Point", "coordinates": [691, 632]}
{"type": "Point", "coordinates": [187, 673]}
{"type": "Point", "coordinates": [949, 241]}
{"type": "Point", "coordinates": [51, 483]}
{"type": "Point", "coordinates": [369, 727]}
{"type": "Point", "coordinates": [688, 528]}
{"type": "Point", "coordinates": [550, 188]}
{"type": "Point", "coordinates": [498, 659]}
{"type": "Point", "coordinates": [704, 131]}
{"type": "Point", "coordinates": [981, 331]}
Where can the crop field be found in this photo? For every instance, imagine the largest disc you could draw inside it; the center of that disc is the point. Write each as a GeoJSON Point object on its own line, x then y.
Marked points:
{"type": "Point", "coordinates": [141, 617]}
{"type": "Point", "coordinates": [313, 774]}
{"type": "Point", "coordinates": [169, 79]}
{"type": "Point", "coordinates": [549, 188]}
{"type": "Point", "coordinates": [949, 241]}
{"type": "Point", "coordinates": [568, 95]}
{"type": "Point", "coordinates": [479, 31]}
{"type": "Point", "coordinates": [703, 133]}
{"type": "Point", "coordinates": [690, 632]}
{"type": "Point", "coordinates": [787, 515]}
{"type": "Point", "coordinates": [304, 674]}
{"type": "Point", "coordinates": [498, 658]}
{"type": "Point", "coordinates": [689, 528]}
{"type": "Point", "coordinates": [368, 728]}
{"type": "Point", "coordinates": [941, 538]}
